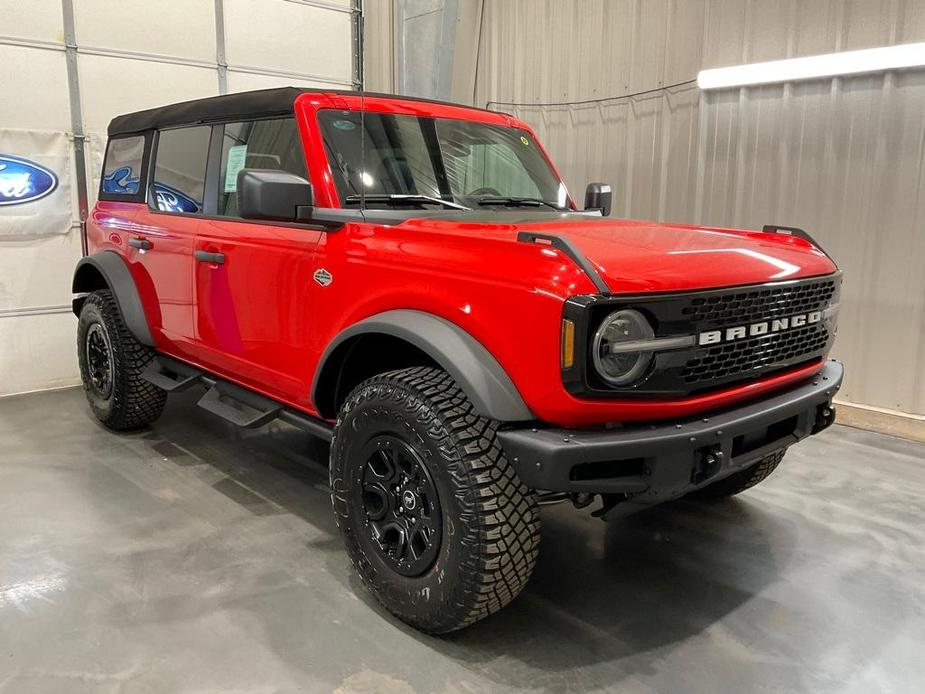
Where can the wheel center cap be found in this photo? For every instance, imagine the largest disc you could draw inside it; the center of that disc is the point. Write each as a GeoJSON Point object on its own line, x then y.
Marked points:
{"type": "Point", "coordinates": [409, 500]}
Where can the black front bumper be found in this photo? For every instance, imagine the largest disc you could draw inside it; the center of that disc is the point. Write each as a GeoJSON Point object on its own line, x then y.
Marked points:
{"type": "Point", "coordinates": [648, 464]}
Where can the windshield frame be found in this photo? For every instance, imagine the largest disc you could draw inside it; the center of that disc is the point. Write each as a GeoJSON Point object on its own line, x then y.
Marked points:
{"type": "Point", "coordinates": [379, 104]}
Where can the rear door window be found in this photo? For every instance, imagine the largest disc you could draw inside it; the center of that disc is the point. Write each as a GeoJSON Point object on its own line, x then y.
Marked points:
{"type": "Point", "coordinates": [180, 169]}
{"type": "Point", "coordinates": [122, 168]}
{"type": "Point", "coordinates": [261, 144]}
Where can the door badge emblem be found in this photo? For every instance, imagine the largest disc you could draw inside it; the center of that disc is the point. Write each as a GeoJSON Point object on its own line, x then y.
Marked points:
{"type": "Point", "coordinates": [323, 277]}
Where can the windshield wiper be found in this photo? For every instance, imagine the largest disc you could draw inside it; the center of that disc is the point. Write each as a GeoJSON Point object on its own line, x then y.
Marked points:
{"type": "Point", "coordinates": [405, 199]}
{"type": "Point", "coordinates": [518, 202]}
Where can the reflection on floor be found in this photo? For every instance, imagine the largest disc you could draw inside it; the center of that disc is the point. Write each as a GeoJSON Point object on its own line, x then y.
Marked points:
{"type": "Point", "coordinates": [195, 557]}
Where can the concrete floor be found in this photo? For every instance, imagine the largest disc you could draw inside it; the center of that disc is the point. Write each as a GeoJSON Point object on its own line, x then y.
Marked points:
{"type": "Point", "coordinates": [195, 557]}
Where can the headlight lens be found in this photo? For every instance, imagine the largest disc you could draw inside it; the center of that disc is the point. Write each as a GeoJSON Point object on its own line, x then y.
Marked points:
{"type": "Point", "coordinates": [613, 358]}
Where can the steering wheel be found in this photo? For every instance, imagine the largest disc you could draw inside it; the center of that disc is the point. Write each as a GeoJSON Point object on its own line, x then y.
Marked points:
{"type": "Point", "coordinates": [487, 190]}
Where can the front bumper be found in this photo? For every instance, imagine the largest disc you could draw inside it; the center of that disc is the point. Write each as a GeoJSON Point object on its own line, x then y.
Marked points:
{"type": "Point", "coordinates": [649, 464]}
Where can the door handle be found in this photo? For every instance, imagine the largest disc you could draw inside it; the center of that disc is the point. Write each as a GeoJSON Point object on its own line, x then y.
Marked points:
{"type": "Point", "coordinates": [140, 243]}
{"type": "Point", "coordinates": [209, 257]}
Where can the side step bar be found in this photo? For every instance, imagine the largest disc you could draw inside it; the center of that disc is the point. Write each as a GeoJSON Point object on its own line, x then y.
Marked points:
{"type": "Point", "coordinates": [171, 375]}
{"type": "Point", "coordinates": [231, 402]}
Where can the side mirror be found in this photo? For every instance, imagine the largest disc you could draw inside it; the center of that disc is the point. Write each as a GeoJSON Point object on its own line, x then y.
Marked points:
{"type": "Point", "coordinates": [599, 196]}
{"type": "Point", "coordinates": [272, 195]}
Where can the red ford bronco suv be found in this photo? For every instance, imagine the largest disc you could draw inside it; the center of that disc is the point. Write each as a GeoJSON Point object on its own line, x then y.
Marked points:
{"type": "Point", "coordinates": [412, 281]}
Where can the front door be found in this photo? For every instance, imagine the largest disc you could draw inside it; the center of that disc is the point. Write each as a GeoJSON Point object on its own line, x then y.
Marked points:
{"type": "Point", "coordinates": [252, 280]}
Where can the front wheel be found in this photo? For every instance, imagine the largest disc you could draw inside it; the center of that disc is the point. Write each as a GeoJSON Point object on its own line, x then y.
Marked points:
{"type": "Point", "coordinates": [434, 517]}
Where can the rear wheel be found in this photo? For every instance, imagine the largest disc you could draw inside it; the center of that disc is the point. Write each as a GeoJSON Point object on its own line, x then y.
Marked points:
{"type": "Point", "coordinates": [435, 520]}
{"type": "Point", "coordinates": [742, 480]}
{"type": "Point", "coordinates": [111, 361]}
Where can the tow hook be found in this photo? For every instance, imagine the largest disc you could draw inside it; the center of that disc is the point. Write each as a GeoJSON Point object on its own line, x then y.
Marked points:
{"type": "Point", "coordinates": [707, 462]}
{"type": "Point", "coordinates": [582, 499]}
{"type": "Point", "coordinates": [825, 416]}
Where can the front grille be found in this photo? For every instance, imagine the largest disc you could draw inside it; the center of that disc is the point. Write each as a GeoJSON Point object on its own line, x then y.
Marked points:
{"type": "Point", "coordinates": [760, 304]}
{"type": "Point", "coordinates": [740, 358]}
{"type": "Point", "coordinates": [701, 369]}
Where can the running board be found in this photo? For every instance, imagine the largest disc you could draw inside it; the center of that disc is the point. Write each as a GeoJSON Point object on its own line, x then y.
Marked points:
{"type": "Point", "coordinates": [170, 375]}
{"type": "Point", "coordinates": [233, 403]}
{"type": "Point", "coordinates": [239, 406]}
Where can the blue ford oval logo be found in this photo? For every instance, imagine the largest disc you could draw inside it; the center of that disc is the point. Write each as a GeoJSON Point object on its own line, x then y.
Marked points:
{"type": "Point", "coordinates": [121, 181]}
{"type": "Point", "coordinates": [172, 200]}
{"type": "Point", "coordinates": [23, 181]}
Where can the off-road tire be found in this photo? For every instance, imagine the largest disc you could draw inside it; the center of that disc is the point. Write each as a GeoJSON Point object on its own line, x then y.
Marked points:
{"type": "Point", "coordinates": [132, 402]}
{"type": "Point", "coordinates": [490, 522]}
{"type": "Point", "coordinates": [742, 480]}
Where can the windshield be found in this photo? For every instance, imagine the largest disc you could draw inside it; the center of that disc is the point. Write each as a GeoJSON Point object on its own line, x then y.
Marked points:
{"type": "Point", "coordinates": [458, 161]}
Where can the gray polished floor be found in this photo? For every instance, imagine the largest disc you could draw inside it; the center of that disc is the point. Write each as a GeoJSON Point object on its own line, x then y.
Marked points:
{"type": "Point", "coordinates": [196, 558]}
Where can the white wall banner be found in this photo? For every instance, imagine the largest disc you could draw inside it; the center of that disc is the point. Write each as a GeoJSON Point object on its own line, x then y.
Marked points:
{"type": "Point", "coordinates": [35, 183]}
{"type": "Point", "coordinates": [96, 150]}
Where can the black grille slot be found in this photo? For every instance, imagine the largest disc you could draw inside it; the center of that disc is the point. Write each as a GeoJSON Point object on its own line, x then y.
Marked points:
{"type": "Point", "coordinates": [759, 304]}
{"type": "Point", "coordinates": [739, 358]}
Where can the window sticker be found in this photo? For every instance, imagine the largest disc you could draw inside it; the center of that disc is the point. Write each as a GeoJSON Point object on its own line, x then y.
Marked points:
{"type": "Point", "coordinates": [236, 158]}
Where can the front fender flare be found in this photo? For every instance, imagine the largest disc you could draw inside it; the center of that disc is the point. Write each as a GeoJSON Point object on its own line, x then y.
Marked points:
{"type": "Point", "coordinates": [118, 278]}
{"type": "Point", "coordinates": [473, 367]}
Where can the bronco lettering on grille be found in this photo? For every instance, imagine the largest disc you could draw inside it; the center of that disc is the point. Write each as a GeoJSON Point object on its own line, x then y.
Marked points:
{"type": "Point", "coordinates": [741, 332]}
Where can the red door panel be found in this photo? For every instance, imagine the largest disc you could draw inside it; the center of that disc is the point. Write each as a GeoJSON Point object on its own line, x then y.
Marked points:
{"type": "Point", "coordinates": [253, 310]}
{"type": "Point", "coordinates": [163, 245]}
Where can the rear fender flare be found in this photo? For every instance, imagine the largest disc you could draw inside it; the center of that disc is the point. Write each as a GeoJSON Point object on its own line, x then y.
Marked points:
{"type": "Point", "coordinates": [118, 278]}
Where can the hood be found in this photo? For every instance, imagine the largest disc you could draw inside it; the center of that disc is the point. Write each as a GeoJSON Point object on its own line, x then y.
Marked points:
{"type": "Point", "coordinates": [636, 256]}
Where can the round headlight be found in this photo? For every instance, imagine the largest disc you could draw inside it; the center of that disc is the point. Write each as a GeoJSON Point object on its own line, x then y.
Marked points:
{"type": "Point", "coordinates": [614, 358]}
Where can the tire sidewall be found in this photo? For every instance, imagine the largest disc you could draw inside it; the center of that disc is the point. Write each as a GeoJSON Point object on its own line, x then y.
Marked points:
{"type": "Point", "coordinates": [426, 599]}
{"type": "Point", "coordinates": [90, 315]}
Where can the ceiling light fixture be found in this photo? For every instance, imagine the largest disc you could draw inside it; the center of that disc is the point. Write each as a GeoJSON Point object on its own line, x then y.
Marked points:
{"type": "Point", "coordinates": [815, 66]}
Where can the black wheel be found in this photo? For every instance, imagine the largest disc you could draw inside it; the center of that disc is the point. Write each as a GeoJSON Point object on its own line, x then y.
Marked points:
{"type": "Point", "coordinates": [434, 518]}
{"type": "Point", "coordinates": [111, 361]}
{"type": "Point", "coordinates": [742, 480]}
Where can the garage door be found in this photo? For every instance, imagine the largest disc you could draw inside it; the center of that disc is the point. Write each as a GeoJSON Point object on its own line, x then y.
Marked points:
{"type": "Point", "coordinates": [68, 68]}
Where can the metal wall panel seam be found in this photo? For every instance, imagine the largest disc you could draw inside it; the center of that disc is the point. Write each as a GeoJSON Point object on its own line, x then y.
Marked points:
{"type": "Point", "coordinates": [35, 311]}
{"type": "Point", "coordinates": [701, 161]}
{"type": "Point", "coordinates": [346, 9]}
{"type": "Point", "coordinates": [220, 59]}
{"type": "Point", "coordinates": [873, 246]}
{"type": "Point", "coordinates": [285, 73]}
{"type": "Point", "coordinates": [73, 88]}
{"type": "Point", "coordinates": [356, 35]}
{"type": "Point", "coordinates": [30, 43]}
{"type": "Point", "coordinates": [145, 56]}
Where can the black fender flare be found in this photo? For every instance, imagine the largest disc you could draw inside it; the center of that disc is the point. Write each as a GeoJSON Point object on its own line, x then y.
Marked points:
{"type": "Point", "coordinates": [473, 367]}
{"type": "Point", "coordinates": [118, 278]}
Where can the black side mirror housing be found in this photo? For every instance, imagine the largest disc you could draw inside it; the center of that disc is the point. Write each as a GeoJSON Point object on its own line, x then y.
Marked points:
{"type": "Point", "coordinates": [272, 195]}
{"type": "Point", "coordinates": [599, 196]}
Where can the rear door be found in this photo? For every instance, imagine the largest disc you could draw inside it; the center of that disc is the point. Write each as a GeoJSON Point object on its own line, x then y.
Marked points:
{"type": "Point", "coordinates": [164, 230]}
{"type": "Point", "coordinates": [252, 280]}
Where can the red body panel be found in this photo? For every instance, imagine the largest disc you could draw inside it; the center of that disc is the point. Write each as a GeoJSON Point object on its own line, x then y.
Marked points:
{"type": "Point", "coordinates": [260, 319]}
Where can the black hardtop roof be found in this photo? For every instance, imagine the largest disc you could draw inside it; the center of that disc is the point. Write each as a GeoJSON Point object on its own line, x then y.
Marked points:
{"type": "Point", "coordinates": [243, 105]}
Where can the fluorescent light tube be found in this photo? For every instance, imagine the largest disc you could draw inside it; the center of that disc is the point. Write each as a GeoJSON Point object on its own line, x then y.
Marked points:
{"type": "Point", "coordinates": [815, 66]}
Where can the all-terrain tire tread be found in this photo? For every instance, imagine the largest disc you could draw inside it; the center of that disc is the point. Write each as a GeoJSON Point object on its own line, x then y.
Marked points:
{"type": "Point", "coordinates": [136, 403]}
{"type": "Point", "coordinates": [500, 516]}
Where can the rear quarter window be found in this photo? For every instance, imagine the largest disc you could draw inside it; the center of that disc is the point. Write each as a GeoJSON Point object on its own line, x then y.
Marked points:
{"type": "Point", "coordinates": [123, 168]}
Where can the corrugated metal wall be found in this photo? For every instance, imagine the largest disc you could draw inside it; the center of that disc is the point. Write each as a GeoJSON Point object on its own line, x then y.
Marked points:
{"type": "Point", "coordinates": [843, 158]}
